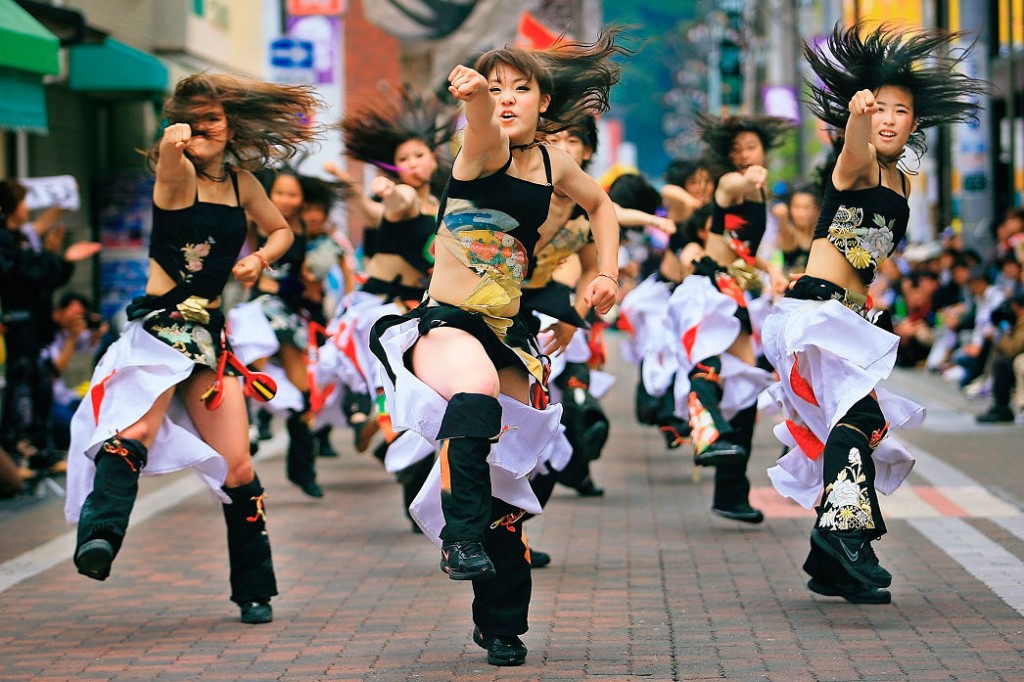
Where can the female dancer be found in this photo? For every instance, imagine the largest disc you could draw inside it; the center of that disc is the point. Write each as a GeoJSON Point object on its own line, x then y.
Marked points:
{"type": "Point", "coordinates": [471, 374]}
{"type": "Point", "coordinates": [717, 384]}
{"type": "Point", "coordinates": [282, 296]}
{"type": "Point", "coordinates": [159, 399]}
{"type": "Point", "coordinates": [797, 218]}
{"type": "Point", "coordinates": [882, 89]}
{"type": "Point", "coordinates": [401, 138]}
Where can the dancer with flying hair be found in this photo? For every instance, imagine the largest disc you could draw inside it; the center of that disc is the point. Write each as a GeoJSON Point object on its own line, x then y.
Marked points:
{"type": "Point", "coordinates": [165, 395]}
{"type": "Point", "coordinates": [404, 135]}
{"type": "Point", "coordinates": [880, 89]}
{"type": "Point", "coordinates": [717, 382]}
{"type": "Point", "coordinates": [460, 370]}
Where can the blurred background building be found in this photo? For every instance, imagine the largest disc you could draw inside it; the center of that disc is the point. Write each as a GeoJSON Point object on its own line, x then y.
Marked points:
{"type": "Point", "coordinates": [82, 82]}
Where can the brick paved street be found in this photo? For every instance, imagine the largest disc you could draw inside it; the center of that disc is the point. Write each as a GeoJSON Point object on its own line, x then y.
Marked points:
{"type": "Point", "coordinates": [645, 583]}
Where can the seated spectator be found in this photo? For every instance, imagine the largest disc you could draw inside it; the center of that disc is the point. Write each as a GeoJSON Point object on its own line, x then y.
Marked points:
{"type": "Point", "coordinates": [78, 333]}
{"type": "Point", "coordinates": [1005, 232]}
{"type": "Point", "coordinates": [985, 298]}
{"type": "Point", "coordinates": [1009, 347]}
{"type": "Point", "coordinates": [914, 319]}
{"type": "Point", "coordinates": [1008, 277]}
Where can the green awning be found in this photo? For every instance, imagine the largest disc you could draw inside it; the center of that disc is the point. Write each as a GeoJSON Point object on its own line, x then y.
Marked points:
{"type": "Point", "coordinates": [23, 103]}
{"type": "Point", "coordinates": [114, 67]}
{"type": "Point", "coordinates": [25, 43]}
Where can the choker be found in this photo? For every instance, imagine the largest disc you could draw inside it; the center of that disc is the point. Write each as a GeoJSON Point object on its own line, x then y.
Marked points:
{"type": "Point", "coordinates": [524, 147]}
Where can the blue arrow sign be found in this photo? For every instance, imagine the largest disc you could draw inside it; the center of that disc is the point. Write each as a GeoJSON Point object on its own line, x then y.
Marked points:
{"type": "Point", "coordinates": [289, 53]}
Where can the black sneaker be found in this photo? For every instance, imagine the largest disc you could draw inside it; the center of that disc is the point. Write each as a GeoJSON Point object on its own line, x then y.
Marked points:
{"type": "Point", "coordinates": [501, 649]}
{"type": "Point", "coordinates": [255, 613]}
{"type": "Point", "coordinates": [94, 558]}
{"type": "Point", "coordinates": [997, 414]}
{"type": "Point", "coordinates": [740, 512]}
{"type": "Point", "coordinates": [466, 560]}
{"type": "Point", "coordinates": [539, 559]}
{"type": "Point", "coordinates": [721, 452]}
{"type": "Point", "coordinates": [853, 592]}
{"type": "Point", "coordinates": [852, 549]}
{"type": "Point", "coordinates": [589, 489]}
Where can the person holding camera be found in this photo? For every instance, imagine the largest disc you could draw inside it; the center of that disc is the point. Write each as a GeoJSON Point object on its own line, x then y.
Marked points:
{"type": "Point", "coordinates": [1007, 349]}
{"type": "Point", "coordinates": [77, 330]}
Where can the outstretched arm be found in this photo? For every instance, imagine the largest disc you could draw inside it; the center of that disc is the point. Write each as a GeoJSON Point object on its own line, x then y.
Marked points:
{"type": "Point", "coordinates": [484, 143]}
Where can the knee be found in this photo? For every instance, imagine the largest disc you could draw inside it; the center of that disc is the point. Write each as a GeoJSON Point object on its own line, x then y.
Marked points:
{"type": "Point", "coordinates": [240, 472]}
{"type": "Point", "coordinates": [141, 431]}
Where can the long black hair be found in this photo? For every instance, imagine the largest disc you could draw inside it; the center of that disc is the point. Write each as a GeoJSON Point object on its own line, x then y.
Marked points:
{"type": "Point", "coordinates": [719, 133]}
{"type": "Point", "coordinates": [924, 62]}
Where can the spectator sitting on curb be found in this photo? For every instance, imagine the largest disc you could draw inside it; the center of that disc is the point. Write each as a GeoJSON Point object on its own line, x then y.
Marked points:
{"type": "Point", "coordinates": [1007, 349]}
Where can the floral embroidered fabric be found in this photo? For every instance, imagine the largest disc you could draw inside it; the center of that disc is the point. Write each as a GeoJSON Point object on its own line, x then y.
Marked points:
{"type": "Point", "coordinates": [847, 504]}
{"type": "Point", "coordinates": [864, 224]}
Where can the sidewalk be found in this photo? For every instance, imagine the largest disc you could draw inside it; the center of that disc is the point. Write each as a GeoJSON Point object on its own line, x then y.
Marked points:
{"type": "Point", "coordinates": [644, 585]}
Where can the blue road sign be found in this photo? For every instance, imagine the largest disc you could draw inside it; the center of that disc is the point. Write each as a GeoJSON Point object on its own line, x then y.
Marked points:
{"type": "Point", "coordinates": [289, 53]}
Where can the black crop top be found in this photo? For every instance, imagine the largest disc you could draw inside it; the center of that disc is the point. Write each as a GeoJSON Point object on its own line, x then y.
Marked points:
{"type": "Point", "coordinates": [198, 245]}
{"type": "Point", "coordinates": [744, 225]}
{"type": "Point", "coordinates": [864, 224]}
{"type": "Point", "coordinates": [498, 203]}
{"type": "Point", "coordinates": [411, 239]}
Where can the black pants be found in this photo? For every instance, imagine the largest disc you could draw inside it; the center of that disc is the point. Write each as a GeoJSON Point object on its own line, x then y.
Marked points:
{"type": "Point", "coordinates": [1003, 379]}
{"type": "Point", "coordinates": [501, 605]}
{"type": "Point", "coordinates": [27, 403]}
{"type": "Point", "coordinates": [850, 501]}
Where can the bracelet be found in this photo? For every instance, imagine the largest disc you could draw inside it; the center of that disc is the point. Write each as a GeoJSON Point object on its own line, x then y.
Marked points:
{"type": "Point", "coordinates": [263, 260]}
{"type": "Point", "coordinates": [601, 274]}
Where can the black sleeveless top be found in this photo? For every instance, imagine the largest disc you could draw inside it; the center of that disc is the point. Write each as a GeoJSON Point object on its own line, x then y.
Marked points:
{"type": "Point", "coordinates": [864, 224]}
{"type": "Point", "coordinates": [500, 203]}
{"type": "Point", "coordinates": [744, 224]}
{"type": "Point", "coordinates": [410, 239]}
{"type": "Point", "coordinates": [198, 245]}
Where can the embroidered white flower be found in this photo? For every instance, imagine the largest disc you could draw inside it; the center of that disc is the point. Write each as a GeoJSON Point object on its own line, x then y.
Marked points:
{"type": "Point", "coordinates": [854, 456]}
{"type": "Point", "coordinates": [878, 242]}
{"type": "Point", "coordinates": [844, 494]}
{"type": "Point", "coordinates": [507, 240]}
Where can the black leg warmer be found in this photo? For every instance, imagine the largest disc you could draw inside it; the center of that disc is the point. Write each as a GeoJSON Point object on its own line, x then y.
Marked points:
{"type": "Point", "coordinates": [468, 428]}
{"type": "Point", "coordinates": [115, 487]}
{"type": "Point", "coordinates": [501, 605]}
{"type": "Point", "coordinates": [300, 460]}
{"type": "Point", "coordinates": [707, 424]}
{"type": "Point", "coordinates": [252, 568]}
{"type": "Point", "coordinates": [732, 487]}
{"type": "Point", "coordinates": [850, 501]}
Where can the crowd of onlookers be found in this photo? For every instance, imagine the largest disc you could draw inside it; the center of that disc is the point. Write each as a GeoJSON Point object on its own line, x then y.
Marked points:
{"type": "Point", "coordinates": [49, 341]}
{"type": "Point", "coordinates": [958, 313]}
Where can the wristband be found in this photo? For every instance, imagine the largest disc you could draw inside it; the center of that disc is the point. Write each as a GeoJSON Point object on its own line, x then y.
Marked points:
{"type": "Point", "coordinates": [601, 274]}
{"type": "Point", "coordinates": [263, 260]}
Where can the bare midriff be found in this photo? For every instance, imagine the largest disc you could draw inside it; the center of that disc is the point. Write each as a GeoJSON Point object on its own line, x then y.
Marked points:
{"type": "Point", "coordinates": [159, 283]}
{"type": "Point", "coordinates": [828, 263]}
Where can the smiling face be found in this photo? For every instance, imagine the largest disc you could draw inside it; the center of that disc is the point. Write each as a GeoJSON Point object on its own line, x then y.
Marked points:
{"type": "Point", "coordinates": [286, 194]}
{"type": "Point", "coordinates": [893, 122]}
{"type": "Point", "coordinates": [746, 151]}
{"type": "Point", "coordinates": [416, 163]}
{"type": "Point", "coordinates": [518, 102]}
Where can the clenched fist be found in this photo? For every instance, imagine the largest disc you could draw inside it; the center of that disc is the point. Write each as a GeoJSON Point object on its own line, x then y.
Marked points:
{"type": "Point", "coordinates": [465, 83]}
{"type": "Point", "coordinates": [863, 103]}
{"type": "Point", "coordinates": [177, 135]}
